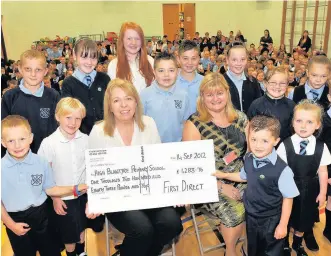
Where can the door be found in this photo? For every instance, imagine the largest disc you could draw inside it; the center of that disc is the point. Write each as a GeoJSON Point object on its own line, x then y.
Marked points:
{"type": "Point", "coordinates": [170, 20]}
{"type": "Point", "coordinates": [189, 19]}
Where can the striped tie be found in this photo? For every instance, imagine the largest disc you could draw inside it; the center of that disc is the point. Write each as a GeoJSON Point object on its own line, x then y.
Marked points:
{"type": "Point", "coordinates": [315, 94]}
{"type": "Point", "coordinates": [262, 162]}
{"type": "Point", "coordinates": [303, 146]}
{"type": "Point", "coordinates": [88, 80]}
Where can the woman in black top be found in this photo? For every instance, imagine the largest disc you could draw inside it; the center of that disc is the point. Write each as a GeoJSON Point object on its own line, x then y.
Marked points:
{"type": "Point", "coordinates": [266, 39]}
{"type": "Point", "coordinates": [304, 42]}
{"type": "Point", "coordinates": [239, 37]}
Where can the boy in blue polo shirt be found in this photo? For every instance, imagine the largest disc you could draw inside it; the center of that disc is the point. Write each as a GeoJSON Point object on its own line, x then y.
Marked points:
{"type": "Point", "coordinates": [167, 104]}
{"type": "Point", "coordinates": [26, 180]}
{"type": "Point", "coordinates": [270, 190]}
{"type": "Point", "coordinates": [188, 77]}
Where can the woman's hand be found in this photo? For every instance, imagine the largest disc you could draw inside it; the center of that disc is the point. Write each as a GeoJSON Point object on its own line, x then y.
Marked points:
{"type": "Point", "coordinates": [91, 215]}
{"type": "Point", "coordinates": [231, 191]}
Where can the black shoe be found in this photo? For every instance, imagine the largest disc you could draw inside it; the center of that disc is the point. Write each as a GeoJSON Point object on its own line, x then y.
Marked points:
{"type": "Point", "coordinates": [327, 235]}
{"type": "Point", "coordinates": [300, 251]}
{"type": "Point", "coordinates": [287, 251]}
{"type": "Point", "coordinates": [311, 243]}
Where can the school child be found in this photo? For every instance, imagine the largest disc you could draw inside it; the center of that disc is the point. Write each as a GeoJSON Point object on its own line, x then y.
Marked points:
{"type": "Point", "coordinates": [270, 189]}
{"type": "Point", "coordinates": [31, 99]}
{"type": "Point", "coordinates": [164, 101]}
{"type": "Point", "coordinates": [26, 180]}
{"type": "Point", "coordinates": [243, 91]}
{"type": "Point", "coordinates": [319, 68]}
{"type": "Point", "coordinates": [274, 102]}
{"type": "Point", "coordinates": [205, 61]}
{"type": "Point", "coordinates": [86, 84]}
{"type": "Point", "coordinates": [11, 84]}
{"type": "Point", "coordinates": [326, 137]}
{"type": "Point", "coordinates": [291, 79]}
{"type": "Point", "coordinates": [308, 158]}
{"type": "Point", "coordinates": [188, 78]}
{"type": "Point", "coordinates": [64, 150]}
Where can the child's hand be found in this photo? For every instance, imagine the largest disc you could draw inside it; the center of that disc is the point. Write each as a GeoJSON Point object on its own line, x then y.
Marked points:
{"type": "Point", "coordinates": [82, 188]}
{"type": "Point", "coordinates": [321, 200]}
{"type": "Point", "coordinates": [20, 229]}
{"type": "Point", "coordinates": [280, 232]}
{"type": "Point", "coordinates": [90, 215]}
{"type": "Point", "coordinates": [59, 206]}
{"type": "Point", "coordinates": [219, 174]}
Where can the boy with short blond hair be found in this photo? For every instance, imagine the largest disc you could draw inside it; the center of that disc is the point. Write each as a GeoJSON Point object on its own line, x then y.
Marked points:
{"type": "Point", "coordinates": [31, 99]}
{"type": "Point", "coordinates": [29, 176]}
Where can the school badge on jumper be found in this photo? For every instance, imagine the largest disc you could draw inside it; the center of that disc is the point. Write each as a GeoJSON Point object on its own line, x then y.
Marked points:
{"type": "Point", "coordinates": [178, 104]}
{"type": "Point", "coordinates": [262, 176]}
{"type": "Point", "coordinates": [99, 89]}
{"type": "Point", "coordinates": [45, 112]}
{"type": "Point", "coordinates": [36, 180]}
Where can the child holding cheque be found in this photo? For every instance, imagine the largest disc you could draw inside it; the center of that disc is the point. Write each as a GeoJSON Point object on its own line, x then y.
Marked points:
{"type": "Point", "coordinates": [65, 151]}
{"type": "Point", "coordinates": [270, 189]}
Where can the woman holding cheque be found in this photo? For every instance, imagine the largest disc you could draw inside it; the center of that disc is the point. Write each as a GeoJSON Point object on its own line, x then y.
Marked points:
{"type": "Point", "coordinates": [146, 231]}
{"type": "Point", "coordinates": [217, 119]}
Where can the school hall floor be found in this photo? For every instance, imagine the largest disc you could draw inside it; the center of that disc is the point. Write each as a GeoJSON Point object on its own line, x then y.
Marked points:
{"type": "Point", "coordinates": [187, 245]}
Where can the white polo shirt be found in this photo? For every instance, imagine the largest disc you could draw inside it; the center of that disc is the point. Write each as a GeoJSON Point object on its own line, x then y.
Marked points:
{"type": "Point", "coordinates": [310, 149]}
{"type": "Point", "coordinates": [67, 158]}
{"type": "Point", "coordinates": [137, 79]}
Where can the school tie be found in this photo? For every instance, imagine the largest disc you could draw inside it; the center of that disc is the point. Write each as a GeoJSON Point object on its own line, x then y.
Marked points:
{"type": "Point", "coordinates": [315, 94]}
{"type": "Point", "coordinates": [262, 162]}
{"type": "Point", "coordinates": [88, 80]}
{"type": "Point", "coordinates": [303, 146]}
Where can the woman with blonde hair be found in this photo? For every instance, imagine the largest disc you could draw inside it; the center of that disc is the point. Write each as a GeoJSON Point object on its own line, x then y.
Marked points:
{"type": "Point", "coordinates": [132, 62]}
{"type": "Point", "coordinates": [146, 231]}
{"type": "Point", "coordinates": [217, 119]}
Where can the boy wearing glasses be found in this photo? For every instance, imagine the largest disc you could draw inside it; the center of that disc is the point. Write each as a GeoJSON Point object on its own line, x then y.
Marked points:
{"type": "Point", "coordinates": [274, 103]}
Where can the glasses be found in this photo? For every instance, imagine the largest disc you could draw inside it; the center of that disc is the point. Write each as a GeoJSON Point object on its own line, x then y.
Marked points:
{"type": "Point", "coordinates": [274, 84]}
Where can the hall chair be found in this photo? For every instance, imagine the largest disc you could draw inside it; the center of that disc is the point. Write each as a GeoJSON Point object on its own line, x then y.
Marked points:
{"type": "Point", "coordinates": [213, 225]}
{"type": "Point", "coordinates": [111, 232]}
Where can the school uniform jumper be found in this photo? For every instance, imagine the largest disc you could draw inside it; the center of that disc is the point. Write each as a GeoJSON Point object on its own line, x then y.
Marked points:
{"type": "Point", "coordinates": [38, 109]}
{"type": "Point", "coordinates": [243, 92]}
{"type": "Point", "coordinates": [282, 109]}
{"type": "Point", "coordinates": [91, 96]}
{"type": "Point", "coordinates": [301, 92]}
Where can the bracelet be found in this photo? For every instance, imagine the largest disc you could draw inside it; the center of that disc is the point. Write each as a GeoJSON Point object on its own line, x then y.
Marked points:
{"type": "Point", "coordinates": [78, 193]}
{"type": "Point", "coordinates": [74, 191]}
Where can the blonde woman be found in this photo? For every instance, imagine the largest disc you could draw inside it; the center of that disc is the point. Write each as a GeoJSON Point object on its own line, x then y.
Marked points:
{"type": "Point", "coordinates": [146, 231]}
{"type": "Point", "coordinates": [217, 119]}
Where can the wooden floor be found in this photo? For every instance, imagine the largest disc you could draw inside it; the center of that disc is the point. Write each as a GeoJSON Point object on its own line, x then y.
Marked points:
{"type": "Point", "coordinates": [187, 245]}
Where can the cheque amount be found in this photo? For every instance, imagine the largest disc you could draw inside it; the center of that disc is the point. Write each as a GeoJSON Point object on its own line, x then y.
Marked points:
{"type": "Point", "coordinates": [188, 156]}
{"type": "Point", "coordinates": [188, 170]}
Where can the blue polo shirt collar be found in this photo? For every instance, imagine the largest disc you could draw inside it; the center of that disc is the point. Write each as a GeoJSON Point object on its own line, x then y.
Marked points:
{"type": "Point", "coordinates": [234, 77]}
{"type": "Point", "coordinates": [10, 161]}
{"type": "Point", "coordinates": [38, 93]}
{"type": "Point", "coordinates": [308, 88]}
{"type": "Point", "coordinates": [191, 82]}
{"type": "Point", "coordinates": [329, 112]}
{"type": "Point", "coordinates": [272, 157]}
{"type": "Point", "coordinates": [161, 91]}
